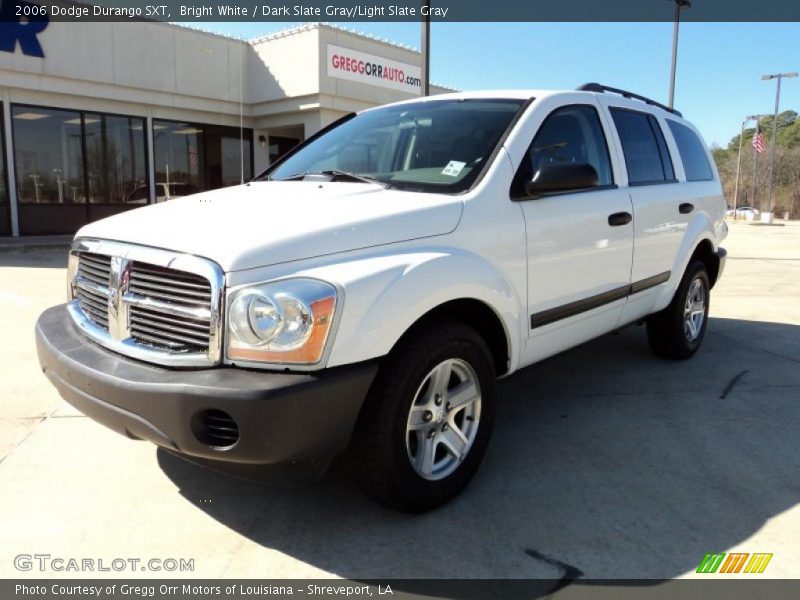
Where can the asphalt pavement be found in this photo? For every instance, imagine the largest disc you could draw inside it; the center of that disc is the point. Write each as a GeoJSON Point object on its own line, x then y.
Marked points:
{"type": "Point", "coordinates": [606, 462]}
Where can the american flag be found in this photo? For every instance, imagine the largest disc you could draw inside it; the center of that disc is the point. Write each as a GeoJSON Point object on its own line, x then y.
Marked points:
{"type": "Point", "coordinates": [193, 156]}
{"type": "Point", "coordinates": [758, 142]}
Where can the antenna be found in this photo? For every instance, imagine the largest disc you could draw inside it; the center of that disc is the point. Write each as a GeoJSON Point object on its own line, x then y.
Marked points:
{"type": "Point", "coordinates": [241, 113]}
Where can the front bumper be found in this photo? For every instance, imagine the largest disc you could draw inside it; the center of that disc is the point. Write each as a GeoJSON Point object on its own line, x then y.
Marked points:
{"type": "Point", "coordinates": [299, 419]}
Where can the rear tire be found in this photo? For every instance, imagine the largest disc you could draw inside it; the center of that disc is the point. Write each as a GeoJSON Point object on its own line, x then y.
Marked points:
{"type": "Point", "coordinates": [427, 420]}
{"type": "Point", "coordinates": [677, 331]}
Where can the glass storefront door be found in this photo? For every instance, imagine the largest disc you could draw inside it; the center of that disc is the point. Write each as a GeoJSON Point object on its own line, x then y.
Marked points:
{"type": "Point", "coordinates": [194, 157]}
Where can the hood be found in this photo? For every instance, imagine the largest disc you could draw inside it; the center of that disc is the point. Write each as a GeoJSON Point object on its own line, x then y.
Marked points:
{"type": "Point", "coordinates": [270, 222]}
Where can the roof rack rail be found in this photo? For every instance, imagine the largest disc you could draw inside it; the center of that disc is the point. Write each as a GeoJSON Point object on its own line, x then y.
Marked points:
{"type": "Point", "coordinates": [599, 87]}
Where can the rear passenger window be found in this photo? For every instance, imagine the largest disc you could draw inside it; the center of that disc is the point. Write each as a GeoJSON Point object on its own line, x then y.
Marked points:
{"type": "Point", "coordinates": [571, 134]}
{"type": "Point", "coordinates": [646, 155]}
{"type": "Point", "coordinates": [692, 151]}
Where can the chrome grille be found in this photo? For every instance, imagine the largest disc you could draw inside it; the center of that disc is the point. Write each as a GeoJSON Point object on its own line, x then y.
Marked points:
{"type": "Point", "coordinates": [170, 285]}
{"type": "Point", "coordinates": [95, 269]}
{"type": "Point", "coordinates": [95, 306]}
{"type": "Point", "coordinates": [152, 304]}
{"type": "Point", "coordinates": [160, 325]}
{"type": "Point", "coordinates": [172, 332]}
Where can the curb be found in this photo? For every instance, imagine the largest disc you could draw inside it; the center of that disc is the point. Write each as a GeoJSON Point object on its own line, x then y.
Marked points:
{"type": "Point", "coordinates": [32, 244]}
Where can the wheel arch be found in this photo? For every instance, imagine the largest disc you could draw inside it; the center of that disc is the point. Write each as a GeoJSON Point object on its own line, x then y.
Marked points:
{"type": "Point", "coordinates": [699, 242]}
{"type": "Point", "coordinates": [705, 253]}
{"type": "Point", "coordinates": [478, 315]}
{"type": "Point", "coordinates": [381, 307]}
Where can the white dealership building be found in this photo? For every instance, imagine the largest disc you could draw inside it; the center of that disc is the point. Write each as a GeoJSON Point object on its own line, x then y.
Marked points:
{"type": "Point", "coordinates": [103, 117]}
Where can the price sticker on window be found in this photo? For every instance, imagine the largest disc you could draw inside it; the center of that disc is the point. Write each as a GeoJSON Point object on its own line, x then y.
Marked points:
{"type": "Point", "coordinates": [453, 168]}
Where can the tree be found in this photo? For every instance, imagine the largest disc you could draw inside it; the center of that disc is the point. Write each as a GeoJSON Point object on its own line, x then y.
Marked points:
{"type": "Point", "coordinates": [786, 177]}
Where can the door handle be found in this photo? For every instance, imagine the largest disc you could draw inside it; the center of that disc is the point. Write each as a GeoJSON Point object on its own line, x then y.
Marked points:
{"type": "Point", "coordinates": [685, 208]}
{"type": "Point", "coordinates": [620, 218]}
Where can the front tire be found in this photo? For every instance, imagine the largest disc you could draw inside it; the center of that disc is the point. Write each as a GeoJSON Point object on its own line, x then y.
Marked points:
{"type": "Point", "coordinates": [426, 423]}
{"type": "Point", "coordinates": [677, 331]}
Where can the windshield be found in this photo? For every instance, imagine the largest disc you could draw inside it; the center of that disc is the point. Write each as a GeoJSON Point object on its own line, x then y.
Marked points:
{"type": "Point", "coordinates": [438, 145]}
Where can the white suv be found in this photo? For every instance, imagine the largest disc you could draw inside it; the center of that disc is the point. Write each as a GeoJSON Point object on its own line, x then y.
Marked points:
{"type": "Point", "coordinates": [365, 292]}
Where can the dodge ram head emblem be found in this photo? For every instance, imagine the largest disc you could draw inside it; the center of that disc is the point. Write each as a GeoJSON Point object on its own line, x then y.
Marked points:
{"type": "Point", "coordinates": [117, 288]}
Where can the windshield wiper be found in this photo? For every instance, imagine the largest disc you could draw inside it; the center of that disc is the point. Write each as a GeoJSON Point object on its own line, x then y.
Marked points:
{"type": "Point", "coordinates": [335, 174]}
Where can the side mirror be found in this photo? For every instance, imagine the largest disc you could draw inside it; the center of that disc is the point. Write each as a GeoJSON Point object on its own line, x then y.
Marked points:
{"type": "Point", "coordinates": [562, 177]}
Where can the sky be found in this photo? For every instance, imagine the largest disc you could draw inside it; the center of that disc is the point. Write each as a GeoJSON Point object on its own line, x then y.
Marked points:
{"type": "Point", "coordinates": [718, 75]}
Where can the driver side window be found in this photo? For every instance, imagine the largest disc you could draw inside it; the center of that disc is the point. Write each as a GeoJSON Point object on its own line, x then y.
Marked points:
{"type": "Point", "coordinates": [570, 134]}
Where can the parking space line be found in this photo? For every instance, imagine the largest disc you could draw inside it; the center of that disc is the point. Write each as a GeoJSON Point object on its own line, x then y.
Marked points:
{"type": "Point", "coordinates": [16, 298]}
{"type": "Point", "coordinates": [27, 435]}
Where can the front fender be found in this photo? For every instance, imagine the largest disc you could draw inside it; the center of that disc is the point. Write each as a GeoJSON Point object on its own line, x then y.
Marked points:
{"type": "Point", "coordinates": [385, 295]}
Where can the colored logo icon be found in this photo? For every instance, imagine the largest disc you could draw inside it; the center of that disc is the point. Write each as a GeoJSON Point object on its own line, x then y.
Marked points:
{"type": "Point", "coordinates": [734, 562]}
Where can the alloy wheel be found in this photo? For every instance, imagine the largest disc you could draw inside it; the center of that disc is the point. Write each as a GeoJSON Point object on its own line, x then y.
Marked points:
{"type": "Point", "coordinates": [694, 312]}
{"type": "Point", "coordinates": [443, 420]}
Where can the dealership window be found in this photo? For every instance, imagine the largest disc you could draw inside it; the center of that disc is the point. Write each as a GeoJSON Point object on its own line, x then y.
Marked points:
{"type": "Point", "coordinates": [115, 157]}
{"type": "Point", "coordinates": [74, 167]}
{"type": "Point", "coordinates": [5, 216]}
{"type": "Point", "coordinates": [47, 154]}
{"type": "Point", "coordinates": [190, 157]}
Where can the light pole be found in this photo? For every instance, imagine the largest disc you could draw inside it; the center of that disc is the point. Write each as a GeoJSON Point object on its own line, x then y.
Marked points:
{"type": "Point", "coordinates": [747, 119]}
{"type": "Point", "coordinates": [777, 76]}
{"type": "Point", "coordinates": [738, 169]}
{"type": "Point", "coordinates": [679, 4]}
{"type": "Point", "coordinates": [425, 48]}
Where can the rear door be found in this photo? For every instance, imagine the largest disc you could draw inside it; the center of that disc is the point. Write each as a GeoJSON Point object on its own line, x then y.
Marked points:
{"type": "Point", "coordinates": [654, 189]}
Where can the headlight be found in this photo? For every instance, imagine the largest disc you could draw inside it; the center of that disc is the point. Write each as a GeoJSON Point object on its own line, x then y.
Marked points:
{"type": "Point", "coordinates": [281, 322]}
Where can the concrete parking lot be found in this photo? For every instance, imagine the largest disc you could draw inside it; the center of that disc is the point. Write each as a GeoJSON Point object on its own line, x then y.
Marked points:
{"type": "Point", "coordinates": [606, 461]}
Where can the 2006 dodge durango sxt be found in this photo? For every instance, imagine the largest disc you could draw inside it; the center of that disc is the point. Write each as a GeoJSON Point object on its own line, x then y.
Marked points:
{"type": "Point", "coordinates": [364, 292]}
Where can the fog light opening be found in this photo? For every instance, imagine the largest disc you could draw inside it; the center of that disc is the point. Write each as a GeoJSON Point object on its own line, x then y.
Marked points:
{"type": "Point", "coordinates": [216, 429]}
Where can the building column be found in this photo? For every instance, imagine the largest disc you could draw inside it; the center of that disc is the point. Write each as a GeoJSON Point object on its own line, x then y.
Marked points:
{"type": "Point", "coordinates": [151, 159]}
{"type": "Point", "coordinates": [11, 172]}
{"type": "Point", "coordinates": [260, 155]}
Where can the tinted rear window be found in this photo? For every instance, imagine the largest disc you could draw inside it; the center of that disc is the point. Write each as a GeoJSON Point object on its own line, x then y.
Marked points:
{"type": "Point", "coordinates": [646, 156]}
{"type": "Point", "coordinates": [692, 151]}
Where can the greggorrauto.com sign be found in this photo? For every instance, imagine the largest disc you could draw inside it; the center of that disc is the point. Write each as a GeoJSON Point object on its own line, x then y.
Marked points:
{"type": "Point", "coordinates": [353, 65]}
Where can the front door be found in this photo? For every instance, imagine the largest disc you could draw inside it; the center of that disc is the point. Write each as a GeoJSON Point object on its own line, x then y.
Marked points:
{"type": "Point", "coordinates": [579, 243]}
